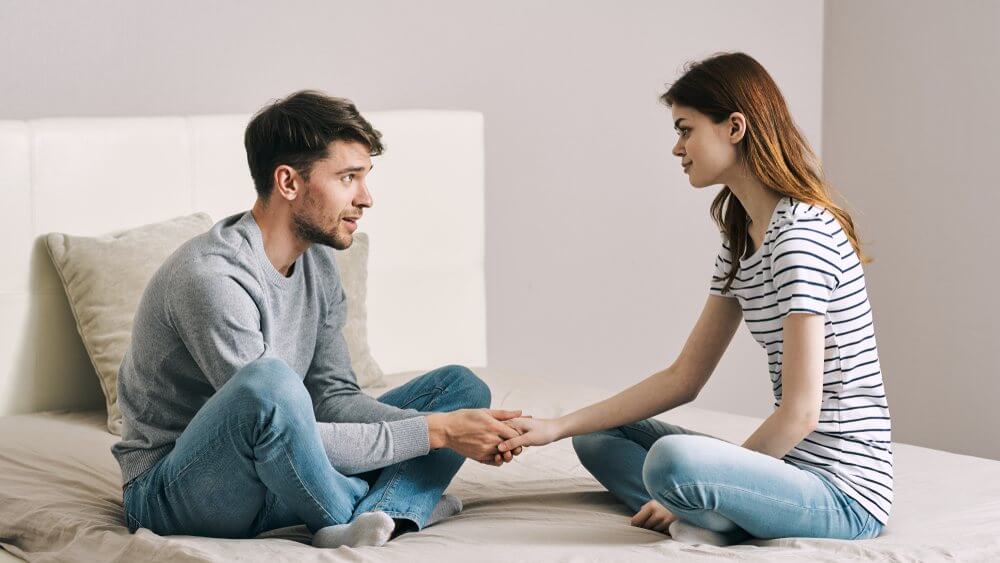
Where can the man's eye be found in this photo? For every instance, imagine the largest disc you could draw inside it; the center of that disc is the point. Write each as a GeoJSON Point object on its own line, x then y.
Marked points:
{"type": "Point", "coordinates": [348, 179]}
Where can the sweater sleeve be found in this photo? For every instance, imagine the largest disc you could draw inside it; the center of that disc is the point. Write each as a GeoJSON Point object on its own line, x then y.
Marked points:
{"type": "Point", "coordinates": [357, 447]}
{"type": "Point", "coordinates": [218, 321]}
{"type": "Point", "coordinates": [331, 381]}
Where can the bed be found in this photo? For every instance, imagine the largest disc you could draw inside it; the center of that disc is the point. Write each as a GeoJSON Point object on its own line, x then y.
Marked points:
{"type": "Point", "coordinates": [60, 488]}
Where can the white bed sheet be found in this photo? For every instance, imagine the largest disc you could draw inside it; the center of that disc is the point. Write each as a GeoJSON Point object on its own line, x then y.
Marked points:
{"type": "Point", "coordinates": [60, 500]}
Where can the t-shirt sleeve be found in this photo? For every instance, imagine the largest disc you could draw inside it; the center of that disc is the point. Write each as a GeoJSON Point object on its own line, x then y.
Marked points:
{"type": "Point", "coordinates": [723, 261]}
{"type": "Point", "coordinates": [806, 269]}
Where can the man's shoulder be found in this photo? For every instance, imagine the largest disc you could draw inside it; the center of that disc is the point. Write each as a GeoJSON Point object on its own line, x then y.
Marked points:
{"type": "Point", "coordinates": [220, 253]}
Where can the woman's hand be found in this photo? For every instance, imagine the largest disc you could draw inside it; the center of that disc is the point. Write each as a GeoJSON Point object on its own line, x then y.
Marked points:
{"type": "Point", "coordinates": [473, 433]}
{"type": "Point", "coordinates": [534, 432]}
{"type": "Point", "coordinates": [653, 516]}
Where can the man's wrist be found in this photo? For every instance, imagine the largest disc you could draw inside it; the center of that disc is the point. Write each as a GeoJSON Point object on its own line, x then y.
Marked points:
{"type": "Point", "coordinates": [437, 430]}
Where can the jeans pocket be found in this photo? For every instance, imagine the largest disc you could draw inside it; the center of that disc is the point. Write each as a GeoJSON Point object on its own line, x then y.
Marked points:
{"type": "Point", "coordinates": [132, 523]}
{"type": "Point", "coordinates": [870, 527]}
{"type": "Point", "coordinates": [128, 509]}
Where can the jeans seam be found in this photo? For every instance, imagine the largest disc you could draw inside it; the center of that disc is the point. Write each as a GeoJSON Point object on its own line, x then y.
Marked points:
{"type": "Point", "coordinates": [132, 522]}
{"type": "Point", "coordinates": [435, 390]}
{"type": "Point", "coordinates": [390, 488]}
{"type": "Point", "coordinates": [754, 493]}
{"type": "Point", "coordinates": [394, 480]}
{"type": "Point", "coordinates": [298, 478]}
{"type": "Point", "coordinates": [864, 527]}
{"type": "Point", "coordinates": [200, 456]}
{"type": "Point", "coordinates": [647, 433]}
{"type": "Point", "coordinates": [408, 515]}
{"type": "Point", "coordinates": [266, 513]}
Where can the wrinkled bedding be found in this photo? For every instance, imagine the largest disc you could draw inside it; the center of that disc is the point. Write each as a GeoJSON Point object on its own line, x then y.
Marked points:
{"type": "Point", "coordinates": [60, 500]}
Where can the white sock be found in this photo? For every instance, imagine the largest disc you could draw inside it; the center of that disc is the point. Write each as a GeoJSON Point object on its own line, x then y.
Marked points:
{"type": "Point", "coordinates": [369, 529]}
{"type": "Point", "coordinates": [447, 507]}
{"type": "Point", "coordinates": [690, 534]}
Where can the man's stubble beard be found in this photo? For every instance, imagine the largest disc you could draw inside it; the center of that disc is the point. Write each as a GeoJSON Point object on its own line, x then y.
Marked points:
{"type": "Point", "coordinates": [307, 230]}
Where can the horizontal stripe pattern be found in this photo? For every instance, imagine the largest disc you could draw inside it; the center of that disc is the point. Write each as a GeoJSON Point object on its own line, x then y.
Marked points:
{"type": "Point", "coordinates": [806, 264]}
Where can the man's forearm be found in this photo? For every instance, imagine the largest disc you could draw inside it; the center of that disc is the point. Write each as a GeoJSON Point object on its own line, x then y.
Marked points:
{"type": "Point", "coordinates": [357, 447]}
{"type": "Point", "coordinates": [355, 406]}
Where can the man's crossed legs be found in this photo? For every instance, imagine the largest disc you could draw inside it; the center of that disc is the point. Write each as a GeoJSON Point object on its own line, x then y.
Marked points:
{"type": "Point", "coordinates": [252, 460]}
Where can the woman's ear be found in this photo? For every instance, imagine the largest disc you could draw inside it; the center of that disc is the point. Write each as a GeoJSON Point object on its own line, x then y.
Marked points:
{"type": "Point", "coordinates": [737, 127]}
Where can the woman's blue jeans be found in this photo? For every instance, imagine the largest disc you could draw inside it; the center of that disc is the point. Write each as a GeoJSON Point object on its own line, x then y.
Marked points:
{"type": "Point", "coordinates": [718, 485]}
{"type": "Point", "coordinates": [251, 460]}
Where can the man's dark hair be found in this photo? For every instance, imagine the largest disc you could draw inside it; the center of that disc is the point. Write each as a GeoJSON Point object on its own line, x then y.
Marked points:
{"type": "Point", "coordinates": [297, 130]}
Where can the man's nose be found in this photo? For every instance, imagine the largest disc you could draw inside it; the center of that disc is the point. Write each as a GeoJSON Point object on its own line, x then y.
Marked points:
{"type": "Point", "coordinates": [364, 197]}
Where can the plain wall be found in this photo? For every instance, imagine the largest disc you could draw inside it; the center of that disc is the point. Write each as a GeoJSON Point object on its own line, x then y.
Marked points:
{"type": "Point", "coordinates": [910, 138]}
{"type": "Point", "coordinates": [598, 251]}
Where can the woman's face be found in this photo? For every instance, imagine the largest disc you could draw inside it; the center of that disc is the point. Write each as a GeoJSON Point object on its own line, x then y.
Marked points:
{"type": "Point", "coordinates": [707, 150]}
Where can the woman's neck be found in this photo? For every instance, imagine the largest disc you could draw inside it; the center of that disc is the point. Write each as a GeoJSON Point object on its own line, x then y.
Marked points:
{"type": "Point", "coordinates": [759, 203]}
{"type": "Point", "coordinates": [758, 200]}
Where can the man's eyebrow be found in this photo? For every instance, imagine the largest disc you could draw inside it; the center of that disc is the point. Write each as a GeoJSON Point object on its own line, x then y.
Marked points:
{"type": "Point", "coordinates": [353, 169]}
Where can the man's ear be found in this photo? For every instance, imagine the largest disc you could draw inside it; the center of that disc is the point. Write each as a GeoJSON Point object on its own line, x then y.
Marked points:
{"type": "Point", "coordinates": [286, 182]}
{"type": "Point", "coordinates": [737, 127]}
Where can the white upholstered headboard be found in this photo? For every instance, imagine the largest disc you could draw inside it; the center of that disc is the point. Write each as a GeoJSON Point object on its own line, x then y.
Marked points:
{"type": "Point", "coordinates": [426, 288]}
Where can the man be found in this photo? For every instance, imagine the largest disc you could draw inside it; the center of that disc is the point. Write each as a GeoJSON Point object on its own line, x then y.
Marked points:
{"type": "Point", "coordinates": [241, 411]}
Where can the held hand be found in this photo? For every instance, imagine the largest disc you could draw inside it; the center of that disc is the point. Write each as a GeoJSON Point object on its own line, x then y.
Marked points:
{"type": "Point", "coordinates": [533, 432]}
{"type": "Point", "coordinates": [473, 433]}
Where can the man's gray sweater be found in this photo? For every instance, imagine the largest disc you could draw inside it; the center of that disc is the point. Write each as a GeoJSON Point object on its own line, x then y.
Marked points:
{"type": "Point", "coordinates": [216, 305]}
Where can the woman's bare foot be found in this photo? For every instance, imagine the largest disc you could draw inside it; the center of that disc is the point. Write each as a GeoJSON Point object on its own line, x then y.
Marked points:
{"type": "Point", "coordinates": [653, 516]}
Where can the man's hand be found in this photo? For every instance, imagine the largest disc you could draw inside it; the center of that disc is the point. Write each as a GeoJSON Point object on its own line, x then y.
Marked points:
{"type": "Point", "coordinates": [653, 516]}
{"type": "Point", "coordinates": [533, 432]}
{"type": "Point", "coordinates": [473, 433]}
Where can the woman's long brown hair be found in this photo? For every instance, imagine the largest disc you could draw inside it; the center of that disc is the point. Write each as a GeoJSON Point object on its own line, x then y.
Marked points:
{"type": "Point", "coordinates": [773, 149]}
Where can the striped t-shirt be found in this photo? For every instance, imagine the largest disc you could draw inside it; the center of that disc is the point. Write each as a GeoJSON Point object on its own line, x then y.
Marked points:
{"type": "Point", "coordinates": [806, 264]}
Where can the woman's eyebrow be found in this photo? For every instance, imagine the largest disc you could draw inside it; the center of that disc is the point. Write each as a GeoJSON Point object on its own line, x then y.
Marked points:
{"type": "Point", "coordinates": [677, 123]}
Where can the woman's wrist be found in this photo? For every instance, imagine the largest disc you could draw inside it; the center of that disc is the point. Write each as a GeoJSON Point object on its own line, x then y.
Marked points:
{"type": "Point", "coordinates": [563, 427]}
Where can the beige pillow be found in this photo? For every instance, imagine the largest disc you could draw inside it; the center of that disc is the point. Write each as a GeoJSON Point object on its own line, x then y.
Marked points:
{"type": "Point", "coordinates": [104, 278]}
{"type": "Point", "coordinates": [353, 266]}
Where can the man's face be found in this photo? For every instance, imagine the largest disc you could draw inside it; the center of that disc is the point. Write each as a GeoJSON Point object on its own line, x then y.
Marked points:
{"type": "Point", "coordinates": [334, 197]}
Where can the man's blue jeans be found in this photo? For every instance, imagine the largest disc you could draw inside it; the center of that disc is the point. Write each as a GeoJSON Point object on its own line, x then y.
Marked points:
{"type": "Point", "coordinates": [251, 460]}
{"type": "Point", "coordinates": [718, 485]}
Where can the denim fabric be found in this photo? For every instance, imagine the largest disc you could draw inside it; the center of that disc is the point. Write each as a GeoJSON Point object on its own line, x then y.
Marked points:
{"type": "Point", "coordinates": [251, 460]}
{"type": "Point", "coordinates": [718, 485]}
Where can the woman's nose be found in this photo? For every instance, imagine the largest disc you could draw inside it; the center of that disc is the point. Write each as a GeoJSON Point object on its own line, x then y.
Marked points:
{"type": "Point", "coordinates": [678, 149]}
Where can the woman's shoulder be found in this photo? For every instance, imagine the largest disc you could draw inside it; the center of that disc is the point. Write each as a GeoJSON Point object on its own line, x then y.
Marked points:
{"type": "Point", "coordinates": [807, 221]}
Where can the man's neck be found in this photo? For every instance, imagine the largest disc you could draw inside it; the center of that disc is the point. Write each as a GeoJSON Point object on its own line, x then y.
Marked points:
{"type": "Point", "coordinates": [281, 245]}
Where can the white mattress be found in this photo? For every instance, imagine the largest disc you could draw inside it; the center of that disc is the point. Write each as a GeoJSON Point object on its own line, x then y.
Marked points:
{"type": "Point", "coordinates": [60, 499]}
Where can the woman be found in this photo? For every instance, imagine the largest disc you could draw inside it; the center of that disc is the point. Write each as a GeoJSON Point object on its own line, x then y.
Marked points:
{"type": "Point", "coordinates": [790, 264]}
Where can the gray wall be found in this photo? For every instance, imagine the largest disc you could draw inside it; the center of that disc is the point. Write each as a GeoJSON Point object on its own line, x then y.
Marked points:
{"type": "Point", "coordinates": [910, 136]}
{"type": "Point", "coordinates": [598, 250]}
